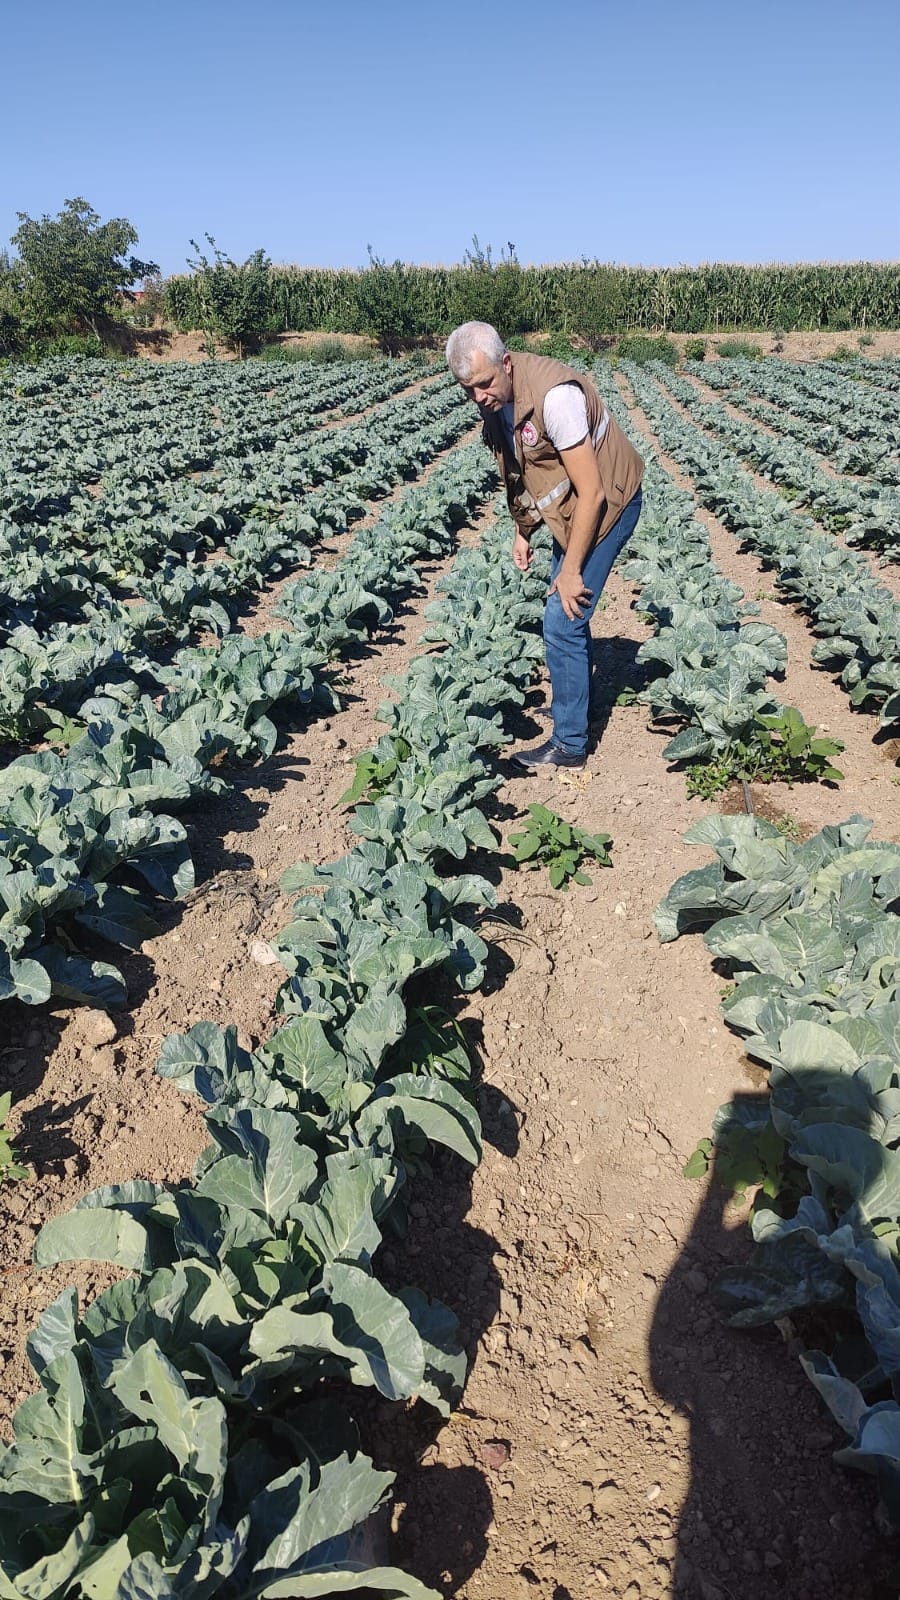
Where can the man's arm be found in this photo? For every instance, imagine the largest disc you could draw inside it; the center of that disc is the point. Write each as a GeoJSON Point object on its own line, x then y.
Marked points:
{"type": "Point", "coordinates": [522, 553]}
{"type": "Point", "coordinates": [584, 475]}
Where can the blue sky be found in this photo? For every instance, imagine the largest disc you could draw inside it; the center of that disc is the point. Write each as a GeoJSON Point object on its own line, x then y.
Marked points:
{"type": "Point", "coordinates": [646, 132]}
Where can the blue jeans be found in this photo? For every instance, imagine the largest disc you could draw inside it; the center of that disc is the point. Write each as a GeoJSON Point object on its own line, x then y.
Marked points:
{"type": "Point", "coordinates": [568, 641]}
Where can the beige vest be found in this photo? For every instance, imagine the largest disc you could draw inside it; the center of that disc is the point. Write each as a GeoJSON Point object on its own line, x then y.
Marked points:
{"type": "Point", "coordinates": [533, 474]}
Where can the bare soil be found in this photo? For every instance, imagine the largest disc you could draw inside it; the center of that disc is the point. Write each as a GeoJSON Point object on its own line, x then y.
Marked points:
{"type": "Point", "coordinates": [162, 343]}
{"type": "Point", "coordinates": [816, 346]}
{"type": "Point", "coordinates": [613, 1439]}
{"type": "Point", "coordinates": [167, 344]}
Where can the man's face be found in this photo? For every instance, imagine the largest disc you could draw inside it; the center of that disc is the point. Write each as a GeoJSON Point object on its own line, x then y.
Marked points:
{"type": "Point", "coordinates": [490, 387]}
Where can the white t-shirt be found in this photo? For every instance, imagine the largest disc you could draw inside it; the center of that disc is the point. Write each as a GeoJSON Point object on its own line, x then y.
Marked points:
{"type": "Point", "coordinates": [565, 416]}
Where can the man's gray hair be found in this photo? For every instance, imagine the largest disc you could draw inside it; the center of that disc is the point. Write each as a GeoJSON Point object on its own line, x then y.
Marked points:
{"type": "Point", "coordinates": [467, 341]}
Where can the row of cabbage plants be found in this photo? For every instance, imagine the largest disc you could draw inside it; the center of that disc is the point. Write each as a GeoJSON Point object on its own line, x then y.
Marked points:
{"type": "Point", "coordinates": [865, 514]}
{"type": "Point", "coordinates": [79, 828]}
{"type": "Point", "coordinates": [66, 424]}
{"type": "Point", "coordinates": [879, 375]}
{"type": "Point", "coordinates": [856, 435]}
{"type": "Point", "coordinates": [710, 662]}
{"type": "Point", "coordinates": [810, 936]}
{"type": "Point", "coordinates": [196, 1431]}
{"type": "Point", "coordinates": [865, 388]}
{"type": "Point", "coordinates": [72, 621]}
{"type": "Point", "coordinates": [856, 618]}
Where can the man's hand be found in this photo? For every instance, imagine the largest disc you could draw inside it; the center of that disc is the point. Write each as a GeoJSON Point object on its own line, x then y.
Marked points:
{"type": "Point", "coordinates": [522, 553]}
{"type": "Point", "coordinates": [569, 585]}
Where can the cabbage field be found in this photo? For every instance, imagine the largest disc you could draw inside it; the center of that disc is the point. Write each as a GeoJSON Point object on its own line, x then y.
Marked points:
{"type": "Point", "coordinates": [269, 1360]}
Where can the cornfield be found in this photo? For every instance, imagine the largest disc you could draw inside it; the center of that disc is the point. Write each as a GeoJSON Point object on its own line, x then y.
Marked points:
{"type": "Point", "coordinates": [587, 298]}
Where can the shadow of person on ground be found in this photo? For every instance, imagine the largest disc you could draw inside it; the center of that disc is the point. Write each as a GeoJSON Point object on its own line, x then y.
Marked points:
{"type": "Point", "coordinates": [616, 669]}
{"type": "Point", "coordinates": [442, 1531]}
{"type": "Point", "coordinates": [768, 1515]}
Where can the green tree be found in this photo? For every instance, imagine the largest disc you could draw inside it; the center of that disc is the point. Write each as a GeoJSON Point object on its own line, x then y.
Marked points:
{"type": "Point", "coordinates": [235, 301]}
{"type": "Point", "coordinates": [485, 290]}
{"type": "Point", "coordinates": [388, 302]}
{"type": "Point", "coordinates": [75, 268]}
{"type": "Point", "coordinates": [592, 303]}
{"type": "Point", "coordinates": [11, 306]}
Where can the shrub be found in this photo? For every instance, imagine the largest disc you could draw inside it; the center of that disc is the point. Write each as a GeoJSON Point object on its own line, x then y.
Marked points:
{"type": "Point", "coordinates": [739, 350]}
{"type": "Point", "coordinates": [842, 352]}
{"type": "Point", "coordinates": [592, 303]}
{"type": "Point", "coordinates": [11, 307]}
{"type": "Point", "coordinates": [865, 340]}
{"type": "Point", "coordinates": [389, 306]}
{"type": "Point", "coordinates": [320, 351]}
{"type": "Point", "coordinates": [423, 359]}
{"type": "Point", "coordinates": [695, 350]}
{"type": "Point", "coordinates": [645, 347]}
{"type": "Point", "coordinates": [485, 290]}
{"type": "Point", "coordinates": [234, 299]}
{"type": "Point", "coordinates": [10, 333]}
{"type": "Point", "coordinates": [74, 268]}
{"type": "Point", "coordinates": [557, 345]}
{"type": "Point", "coordinates": [86, 345]}
{"type": "Point", "coordinates": [150, 309]}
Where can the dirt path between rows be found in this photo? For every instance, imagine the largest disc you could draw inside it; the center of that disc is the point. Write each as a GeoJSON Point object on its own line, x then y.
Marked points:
{"type": "Point", "coordinates": [613, 1439]}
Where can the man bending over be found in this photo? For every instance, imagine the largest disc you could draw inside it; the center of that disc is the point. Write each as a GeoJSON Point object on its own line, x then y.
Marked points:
{"type": "Point", "coordinates": [563, 461]}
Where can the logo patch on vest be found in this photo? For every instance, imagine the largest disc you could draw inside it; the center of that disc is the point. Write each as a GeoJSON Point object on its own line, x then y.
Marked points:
{"type": "Point", "coordinates": [529, 433]}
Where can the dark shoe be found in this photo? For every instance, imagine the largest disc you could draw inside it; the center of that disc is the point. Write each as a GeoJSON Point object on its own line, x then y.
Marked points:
{"type": "Point", "coordinates": [548, 755]}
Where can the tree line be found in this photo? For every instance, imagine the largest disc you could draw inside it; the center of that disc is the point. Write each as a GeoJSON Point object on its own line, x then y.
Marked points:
{"type": "Point", "coordinates": [71, 275]}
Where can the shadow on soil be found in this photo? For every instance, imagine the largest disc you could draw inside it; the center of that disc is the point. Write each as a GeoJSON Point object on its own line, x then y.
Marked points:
{"type": "Point", "coordinates": [616, 668]}
{"type": "Point", "coordinates": [42, 1138]}
{"type": "Point", "coordinates": [444, 1512]}
{"type": "Point", "coordinates": [768, 1515]}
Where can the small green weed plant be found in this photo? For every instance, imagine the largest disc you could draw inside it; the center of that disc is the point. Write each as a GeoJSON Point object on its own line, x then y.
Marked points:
{"type": "Point", "coordinates": [695, 349]}
{"type": "Point", "coordinates": [85, 345]}
{"type": "Point", "coordinates": [781, 746]}
{"type": "Point", "coordinates": [320, 352]}
{"type": "Point", "coordinates": [739, 350]}
{"type": "Point", "coordinates": [640, 347]}
{"type": "Point", "coordinates": [741, 1158]}
{"type": "Point", "coordinates": [10, 1166]}
{"type": "Point", "coordinates": [557, 345]}
{"type": "Point", "coordinates": [549, 841]}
